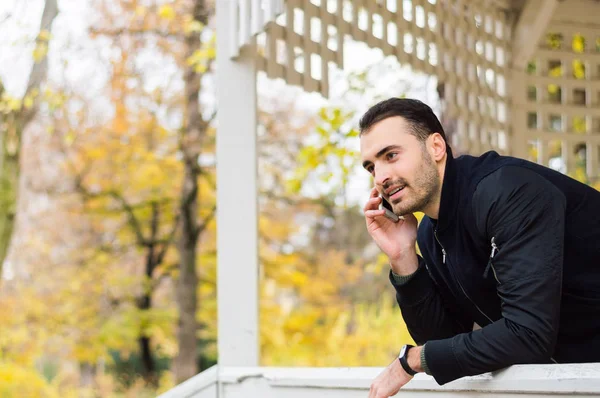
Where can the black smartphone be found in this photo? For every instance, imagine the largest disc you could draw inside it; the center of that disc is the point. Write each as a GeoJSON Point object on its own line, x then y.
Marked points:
{"type": "Point", "coordinates": [389, 212]}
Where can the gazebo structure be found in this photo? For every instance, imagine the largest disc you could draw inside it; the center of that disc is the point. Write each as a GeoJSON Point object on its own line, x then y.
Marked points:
{"type": "Point", "coordinates": [521, 77]}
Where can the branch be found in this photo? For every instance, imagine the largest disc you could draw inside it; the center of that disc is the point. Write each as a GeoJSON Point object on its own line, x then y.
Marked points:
{"type": "Point", "coordinates": [5, 18]}
{"type": "Point", "coordinates": [212, 117]}
{"type": "Point", "coordinates": [39, 71]}
{"type": "Point", "coordinates": [136, 32]}
{"type": "Point", "coordinates": [168, 242]}
{"type": "Point", "coordinates": [201, 227]}
{"type": "Point", "coordinates": [155, 221]}
{"type": "Point", "coordinates": [167, 273]}
{"type": "Point", "coordinates": [133, 222]}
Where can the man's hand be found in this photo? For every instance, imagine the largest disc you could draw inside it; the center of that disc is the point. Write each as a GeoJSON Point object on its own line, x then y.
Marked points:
{"type": "Point", "coordinates": [397, 240]}
{"type": "Point", "coordinates": [389, 382]}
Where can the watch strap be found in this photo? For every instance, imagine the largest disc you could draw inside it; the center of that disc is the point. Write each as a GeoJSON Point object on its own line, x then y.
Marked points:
{"type": "Point", "coordinates": [403, 358]}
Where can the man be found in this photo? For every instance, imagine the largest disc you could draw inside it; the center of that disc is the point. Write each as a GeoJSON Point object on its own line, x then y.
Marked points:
{"type": "Point", "coordinates": [509, 271]}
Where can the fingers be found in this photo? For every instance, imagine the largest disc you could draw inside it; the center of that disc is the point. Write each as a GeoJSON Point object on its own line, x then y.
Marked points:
{"type": "Point", "coordinates": [374, 213]}
{"type": "Point", "coordinates": [374, 201]}
{"type": "Point", "coordinates": [372, 204]}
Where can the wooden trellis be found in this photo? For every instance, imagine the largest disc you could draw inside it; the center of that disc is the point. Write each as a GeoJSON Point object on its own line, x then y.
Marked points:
{"type": "Point", "coordinates": [560, 94]}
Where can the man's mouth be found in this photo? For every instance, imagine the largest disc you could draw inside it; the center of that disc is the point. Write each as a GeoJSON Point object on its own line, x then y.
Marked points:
{"type": "Point", "coordinates": [395, 193]}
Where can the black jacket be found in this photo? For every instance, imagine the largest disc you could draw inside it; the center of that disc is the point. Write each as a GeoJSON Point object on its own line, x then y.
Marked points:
{"type": "Point", "coordinates": [516, 249]}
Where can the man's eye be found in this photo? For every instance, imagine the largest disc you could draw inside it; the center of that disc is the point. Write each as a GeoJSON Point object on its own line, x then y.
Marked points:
{"type": "Point", "coordinates": [391, 155]}
{"type": "Point", "coordinates": [370, 169]}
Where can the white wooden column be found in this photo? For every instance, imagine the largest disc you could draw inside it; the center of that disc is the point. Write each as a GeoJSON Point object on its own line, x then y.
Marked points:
{"type": "Point", "coordinates": [237, 234]}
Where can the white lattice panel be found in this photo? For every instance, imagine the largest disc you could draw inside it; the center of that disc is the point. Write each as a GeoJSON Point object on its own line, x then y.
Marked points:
{"type": "Point", "coordinates": [248, 18]}
{"type": "Point", "coordinates": [562, 93]}
{"type": "Point", "coordinates": [464, 43]}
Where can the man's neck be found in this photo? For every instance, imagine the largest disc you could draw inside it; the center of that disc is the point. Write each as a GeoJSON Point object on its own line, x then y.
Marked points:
{"type": "Point", "coordinates": [433, 209]}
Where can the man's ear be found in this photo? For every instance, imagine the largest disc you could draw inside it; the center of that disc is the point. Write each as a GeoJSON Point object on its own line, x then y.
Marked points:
{"type": "Point", "coordinates": [437, 146]}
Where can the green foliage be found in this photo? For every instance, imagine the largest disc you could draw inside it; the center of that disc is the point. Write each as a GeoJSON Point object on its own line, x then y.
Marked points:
{"type": "Point", "coordinates": [330, 157]}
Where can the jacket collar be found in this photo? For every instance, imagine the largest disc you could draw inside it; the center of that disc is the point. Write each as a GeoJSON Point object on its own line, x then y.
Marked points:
{"type": "Point", "coordinates": [449, 197]}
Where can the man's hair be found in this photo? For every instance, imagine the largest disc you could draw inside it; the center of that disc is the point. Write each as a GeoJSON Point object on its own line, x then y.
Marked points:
{"type": "Point", "coordinates": [421, 118]}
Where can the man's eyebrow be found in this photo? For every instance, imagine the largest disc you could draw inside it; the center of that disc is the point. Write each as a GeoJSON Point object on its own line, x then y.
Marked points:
{"type": "Point", "coordinates": [381, 153]}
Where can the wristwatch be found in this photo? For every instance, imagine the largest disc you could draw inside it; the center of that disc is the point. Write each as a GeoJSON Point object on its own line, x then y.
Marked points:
{"type": "Point", "coordinates": [403, 358]}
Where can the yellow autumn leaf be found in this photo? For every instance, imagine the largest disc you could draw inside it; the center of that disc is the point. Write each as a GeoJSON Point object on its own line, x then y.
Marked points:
{"type": "Point", "coordinates": [193, 26]}
{"type": "Point", "coordinates": [578, 43]}
{"type": "Point", "coordinates": [578, 69]}
{"type": "Point", "coordinates": [555, 72]}
{"type": "Point", "coordinates": [533, 153]}
{"type": "Point", "coordinates": [166, 12]}
{"type": "Point", "coordinates": [28, 102]}
{"type": "Point", "coordinates": [12, 103]}
{"type": "Point", "coordinates": [44, 35]}
{"type": "Point", "coordinates": [70, 138]}
{"type": "Point", "coordinates": [21, 381]}
{"type": "Point", "coordinates": [40, 51]}
{"type": "Point", "coordinates": [211, 52]}
{"type": "Point", "coordinates": [579, 125]}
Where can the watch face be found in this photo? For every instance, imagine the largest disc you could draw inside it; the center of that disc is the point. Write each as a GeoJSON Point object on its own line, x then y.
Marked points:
{"type": "Point", "coordinates": [403, 351]}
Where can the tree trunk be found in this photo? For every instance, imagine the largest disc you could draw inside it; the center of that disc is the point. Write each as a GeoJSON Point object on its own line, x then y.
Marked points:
{"type": "Point", "coordinates": [87, 374]}
{"type": "Point", "coordinates": [147, 359]}
{"type": "Point", "coordinates": [11, 135]}
{"type": "Point", "coordinates": [185, 364]}
{"type": "Point", "coordinates": [145, 301]}
{"type": "Point", "coordinates": [10, 148]}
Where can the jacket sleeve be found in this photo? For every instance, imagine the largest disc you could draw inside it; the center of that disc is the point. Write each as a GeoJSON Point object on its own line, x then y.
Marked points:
{"type": "Point", "coordinates": [525, 214]}
{"type": "Point", "coordinates": [426, 314]}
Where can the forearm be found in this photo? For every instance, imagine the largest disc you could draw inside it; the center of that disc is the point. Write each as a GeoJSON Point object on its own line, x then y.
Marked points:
{"type": "Point", "coordinates": [491, 348]}
{"type": "Point", "coordinates": [405, 265]}
{"type": "Point", "coordinates": [422, 307]}
{"type": "Point", "coordinates": [416, 359]}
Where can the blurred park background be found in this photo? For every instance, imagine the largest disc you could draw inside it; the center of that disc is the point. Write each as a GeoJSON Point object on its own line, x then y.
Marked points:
{"type": "Point", "coordinates": [107, 203]}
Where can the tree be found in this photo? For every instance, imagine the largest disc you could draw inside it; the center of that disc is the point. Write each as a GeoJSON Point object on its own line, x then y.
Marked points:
{"type": "Point", "coordinates": [192, 137]}
{"type": "Point", "coordinates": [122, 173]}
{"type": "Point", "coordinates": [180, 33]}
{"type": "Point", "coordinates": [15, 116]}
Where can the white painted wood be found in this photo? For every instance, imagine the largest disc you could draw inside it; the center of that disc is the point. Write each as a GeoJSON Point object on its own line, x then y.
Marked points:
{"type": "Point", "coordinates": [245, 21]}
{"type": "Point", "coordinates": [580, 12]}
{"type": "Point", "coordinates": [249, 18]}
{"type": "Point", "coordinates": [237, 235]}
{"type": "Point", "coordinates": [258, 14]}
{"type": "Point", "coordinates": [532, 24]}
{"type": "Point", "coordinates": [523, 381]}
{"type": "Point", "coordinates": [203, 385]}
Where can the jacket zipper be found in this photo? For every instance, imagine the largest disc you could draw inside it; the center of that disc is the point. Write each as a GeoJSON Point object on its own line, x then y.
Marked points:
{"type": "Point", "coordinates": [494, 247]}
{"type": "Point", "coordinates": [458, 281]}
{"type": "Point", "coordinates": [494, 251]}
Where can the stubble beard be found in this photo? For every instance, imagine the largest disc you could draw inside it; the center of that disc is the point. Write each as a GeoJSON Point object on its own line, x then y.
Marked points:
{"type": "Point", "coordinates": [422, 191]}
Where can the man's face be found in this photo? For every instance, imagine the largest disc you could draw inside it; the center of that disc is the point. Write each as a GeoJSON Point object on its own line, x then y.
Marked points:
{"type": "Point", "coordinates": [398, 160]}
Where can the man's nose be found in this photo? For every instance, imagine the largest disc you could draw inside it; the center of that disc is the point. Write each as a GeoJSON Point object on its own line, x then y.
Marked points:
{"type": "Point", "coordinates": [382, 175]}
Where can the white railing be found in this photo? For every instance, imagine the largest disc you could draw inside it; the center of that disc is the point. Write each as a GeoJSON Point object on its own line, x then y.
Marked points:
{"type": "Point", "coordinates": [524, 381]}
